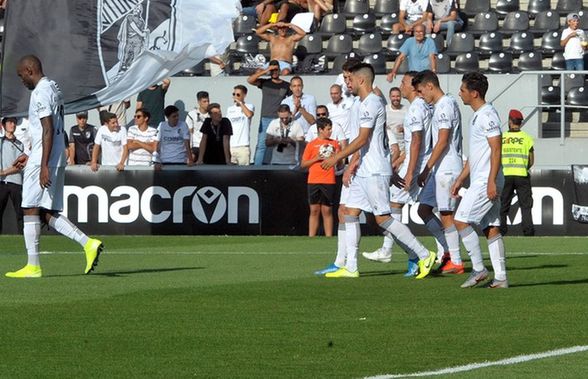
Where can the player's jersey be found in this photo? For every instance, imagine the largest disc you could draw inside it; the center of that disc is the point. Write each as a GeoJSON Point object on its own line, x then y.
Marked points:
{"type": "Point", "coordinates": [446, 115]}
{"type": "Point", "coordinates": [418, 118]}
{"type": "Point", "coordinates": [353, 125]}
{"type": "Point", "coordinates": [46, 101]}
{"type": "Point", "coordinates": [484, 124]}
{"type": "Point", "coordinates": [375, 155]}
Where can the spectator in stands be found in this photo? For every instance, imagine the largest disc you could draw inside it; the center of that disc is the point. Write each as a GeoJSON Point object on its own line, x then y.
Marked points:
{"type": "Point", "coordinates": [273, 91]}
{"type": "Point", "coordinates": [265, 9]}
{"type": "Point", "coordinates": [120, 110]}
{"type": "Point", "coordinates": [173, 140]}
{"type": "Point", "coordinates": [153, 99]}
{"type": "Point", "coordinates": [339, 107]}
{"type": "Point", "coordinates": [337, 132]}
{"type": "Point", "coordinates": [319, 8]}
{"type": "Point", "coordinates": [302, 105]}
{"type": "Point", "coordinates": [574, 41]}
{"type": "Point", "coordinates": [10, 175]}
{"type": "Point", "coordinates": [248, 7]}
{"type": "Point", "coordinates": [321, 183]}
{"type": "Point", "coordinates": [412, 13]}
{"type": "Point", "coordinates": [395, 112]}
{"type": "Point", "coordinates": [141, 140]}
{"type": "Point", "coordinates": [111, 141]}
{"type": "Point", "coordinates": [81, 140]}
{"type": "Point", "coordinates": [445, 16]}
{"type": "Point", "coordinates": [287, 9]}
{"type": "Point", "coordinates": [281, 45]}
{"type": "Point", "coordinates": [194, 120]}
{"type": "Point", "coordinates": [420, 51]}
{"type": "Point", "coordinates": [240, 115]}
{"type": "Point", "coordinates": [283, 135]}
{"type": "Point", "coordinates": [216, 134]}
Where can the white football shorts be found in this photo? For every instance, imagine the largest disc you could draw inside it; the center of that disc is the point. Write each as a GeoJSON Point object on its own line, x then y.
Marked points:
{"type": "Point", "coordinates": [33, 196]}
{"type": "Point", "coordinates": [370, 194]}
{"type": "Point", "coordinates": [437, 191]}
{"type": "Point", "coordinates": [476, 208]}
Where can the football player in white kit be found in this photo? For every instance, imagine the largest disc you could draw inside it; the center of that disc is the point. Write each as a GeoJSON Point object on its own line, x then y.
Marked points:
{"type": "Point", "coordinates": [442, 168]}
{"type": "Point", "coordinates": [481, 202]}
{"type": "Point", "coordinates": [44, 171]}
{"type": "Point", "coordinates": [369, 191]}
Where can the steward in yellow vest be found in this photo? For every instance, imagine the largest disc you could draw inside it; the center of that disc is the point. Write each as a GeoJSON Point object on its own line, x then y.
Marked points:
{"type": "Point", "coordinates": [517, 159]}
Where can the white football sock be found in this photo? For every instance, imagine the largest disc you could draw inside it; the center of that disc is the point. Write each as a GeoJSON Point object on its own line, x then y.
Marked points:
{"type": "Point", "coordinates": [396, 214]}
{"type": "Point", "coordinates": [434, 226]}
{"type": "Point", "coordinates": [497, 257]}
{"type": "Point", "coordinates": [32, 233]}
{"type": "Point", "coordinates": [388, 243]}
{"type": "Point", "coordinates": [62, 225]}
{"type": "Point", "coordinates": [404, 237]}
{"type": "Point", "coordinates": [352, 237]}
{"type": "Point", "coordinates": [341, 251]}
{"type": "Point", "coordinates": [472, 244]}
{"type": "Point", "coordinates": [452, 238]}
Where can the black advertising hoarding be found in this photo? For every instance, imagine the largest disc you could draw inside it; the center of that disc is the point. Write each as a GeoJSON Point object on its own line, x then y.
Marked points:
{"type": "Point", "coordinates": [246, 201]}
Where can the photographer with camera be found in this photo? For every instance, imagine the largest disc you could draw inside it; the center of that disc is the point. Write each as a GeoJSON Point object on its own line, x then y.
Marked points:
{"type": "Point", "coordinates": [283, 135]}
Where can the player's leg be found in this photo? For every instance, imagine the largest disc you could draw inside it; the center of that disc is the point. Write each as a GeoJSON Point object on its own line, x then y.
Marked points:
{"type": "Point", "coordinates": [341, 249]}
{"type": "Point", "coordinates": [490, 224]}
{"type": "Point", "coordinates": [447, 205]}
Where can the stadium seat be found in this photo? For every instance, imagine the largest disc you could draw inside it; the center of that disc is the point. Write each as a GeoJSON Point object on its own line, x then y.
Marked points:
{"type": "Point", "coordinates": [506, 6]}
{"type": "Point", "coordinates": [332, 24]}
{"type": "Point", "coordinates": [521, 42]}
{"type": "Point", "coordinates": [443, 64]}
{"type": "Point", "coordinates": [515, 22]}
{"type": "Point", "coordinates": [378, 62]}
{"type": "Point", "coordinates": [483, 22]}
{"type": "Point", "coordinates": [244, 25]}
{"type": "Point", "coordinates": [439, 41]}
{"type": "Point", "coordinates": [490, 43]}
{"type": "Point", "coordinates": [583, 19]}
{"type": "Point", "coordinates": [395, 41]}
{"type": "Point", "coordinates": [578, 96]}
{"type": "Point", "coordinates": [384, 7]}
{"type": "Point", "coordinates": [247, 45]}
{"type": "Point", "coordinates": [369, 44]}
{"type": "Point", "coordinates": [387, 21]}
{"type": "Point", "coordinates": [550, 95]}
{"type": "Point", "coordinates": [534, 7]}
{"type": "Point", "coordinates": [545, 21]}
{"type": "Point", "coordinates": [338, 64]}
{"type": "Point", "coordinates": [461, 43]}
{"type": "Point", "coordinates": [363, 23]}
{"type": "Point", "coordinates": [550, 43]}
{"type": "Point", "coordinates": [355, 7]}
{"type": "Point", "coordinates": [530, 61]}
{"type": "Point", "coordinates": [467, 62]}
{"type": "Point", "coordinates": [567, 6]}
{"type": "Point", "coordinates": [310, 44]}
{"type": "Point", "coordinates": [198, 70]}
{"type": "Point", "coordinates": [558, 62]}
{"type": "Point", "coordinates": [473, 7]}
{"type": "Point", "coordinates": [500, 63]}
{"type": "Point", "coordinates": [572, 81]}
{"type": "Point", "coordinates": [339, 44]}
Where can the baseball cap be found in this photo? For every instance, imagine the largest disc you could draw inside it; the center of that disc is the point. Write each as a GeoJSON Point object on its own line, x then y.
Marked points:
{"type": "Point", "coordinates": [572, 16]}
{"type": "Point", "coordinates": [515, 114]}
{"type": "Point", "coordinates": [82, 115]}
{"type": "Point", "coordinates": [274, 62]}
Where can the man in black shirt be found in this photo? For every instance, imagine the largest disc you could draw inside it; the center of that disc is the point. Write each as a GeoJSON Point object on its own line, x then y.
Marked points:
{"type": "Point", "coordinates": [216, 134]}
{"type": "Point", "coordinates": [81, 140]}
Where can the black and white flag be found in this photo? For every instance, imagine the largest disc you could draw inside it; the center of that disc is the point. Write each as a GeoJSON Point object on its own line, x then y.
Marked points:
{"type": "Point", "coordinates": [103, 51]}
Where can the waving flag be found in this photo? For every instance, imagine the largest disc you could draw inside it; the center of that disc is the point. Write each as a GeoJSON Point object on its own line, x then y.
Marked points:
{"type": "Point", "coordinates": [103, 51]}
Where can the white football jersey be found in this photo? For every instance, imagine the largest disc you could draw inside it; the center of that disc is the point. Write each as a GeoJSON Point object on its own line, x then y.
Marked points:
{"type": "Point", "coordinates": [485, 123]}
{"type": "Point", "coordinates": [446, 115]}
{"type": "Point", "coordinates": [47, 101]}
{"type": "Point", "coordinates": [353, 124]}
{"type": "Point", "coordinates": [418, 118]}
{"type": "Point", "coordinates": [375, 155]}
{"type": "Point", "coordinates": [171, 142]}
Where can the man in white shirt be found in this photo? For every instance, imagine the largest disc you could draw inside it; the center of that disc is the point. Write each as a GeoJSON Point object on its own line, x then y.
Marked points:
{"type": "Point", "coordinates": [339, 107]}
{"type": "Point", "coordinates": [44, 171]}
{"type": "Point", "coordinates": [173, 140]}
{"type": "Point", "coordinates": [337, 132]}
{"type": "Point", "coordinates": [480, 204]}
{"type": "Point", "coordinates": [412, 13]}
{"type": "Point", "coordinates": [574, 41]}
{"type": "Point", "coordinates": [369, 191]}
{"type": "Point", "coordinates": [111, 141]}
{"type": "Point", "coordinates": [395, 112]}
{"type": "Point", "coordinates": [283, 135]}
{"type": "Point", "coordinates": [195, 119]}
{"type": "Point", "coordinates": [240, 115]}
{"type": "Point", "coordinates": [302, 105]}
{"type": "Point", "coordinates": [141, 140]}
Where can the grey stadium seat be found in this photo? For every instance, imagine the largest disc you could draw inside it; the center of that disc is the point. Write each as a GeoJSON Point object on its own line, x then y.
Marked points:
{"type": "Point", "coordinates": [567, 6]}
{"type": "Point", "coordinates": [490, 43]}
{"type": "Point", "coordinates": [310, 44]}
{"type": "Point", "coordinates": [483, 22]}
{"type": "Point", "coordinates": [473, 7]}
{"type": "Point", "coordinates": [500, 63]}
{"type": "Point", "coordinates": [515, 22]}
{"type": "Point", "coordinates": [583, 19]}
{"type": "Point", "coordinates": [369, 44]}
{"type": "Point", "coordinates": [332, 24]}
{"type": "Point", "coordinates": [530, 61]}
{"type": "Point", "coordinates": [439, 41]}
{"type": "Point", "coordinates": [467, 62]}
{"type": "Point", "coordinates": [544, 22]}
{"type": "Point", "coordinates": [387, 21]}
{"type": "Point", "coordinates": [395, 41]}
{"type": "Point", "coordinates": [339, 44]}
{"type": "Point", "coordinates": [536, 6]}
{"type": "Point", "coordinates": [364, 23]}
{"type": "Point", "coordinates": [550, 43]}
{"type": "Point", "coordinates": [521, 42]}
{"type": "Point", "coordinates": [573, 81]}
{"type": "Point", "coordinates": [506, 6]}
{"type": "Point", "coordinates": [384, 7]}
{"type": "Point", "coordinates": [378, 62]}
{"type": "Point", "coordinates": [461, 43]}
{"type": "Point", "coordinates": [443, 64]}
{"type": "Point", "coordinates": [355, 7]}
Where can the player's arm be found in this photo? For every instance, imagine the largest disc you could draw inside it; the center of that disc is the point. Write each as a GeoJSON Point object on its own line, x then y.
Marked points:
{"type": "Point", "coordinates": [415, 147]}
{"type": "Point", "coordinates": [355, 145]}
{"type": "Point", "coordinates": [465, 173]}
{"type": "Point", "coordinates": [436, 154]}
{"type": "Point", "coordinates": [495, 160]}
{"type": "Point", "coordinates": [47, 143]}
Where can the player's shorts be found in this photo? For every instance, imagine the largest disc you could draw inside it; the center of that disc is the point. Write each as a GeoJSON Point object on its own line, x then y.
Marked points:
{"type": "Point", "coordinates": [33, 196]}
{"type": "Point", "coordinates": [370, 194]}
{"type": "Point", "coordinates": [476, 208]}
{"type": "Point", "coordinates": [437, 191]}
{"type": "Point", "coordinates": [321, 194]}
{"type": "Point", "coordinates": [400, 196]}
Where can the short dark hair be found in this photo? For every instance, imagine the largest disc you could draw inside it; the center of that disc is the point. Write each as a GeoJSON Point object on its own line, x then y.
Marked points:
{"type": "Point", "coordinates": [169, 110]}
{"type": "Point", "coordinates": [393, 89]}
{"type": "Point", "coordinates": [212, 106]}
{"type": "Point", "coordinates": [109, 116]}
{"type": "Point", "coordinates": [366, 68]}
{"type": "Point", "coordinates": [103, 118]}
{"type": "Point", "coordinates": [283, 108]}
{"type": "Point", "coordinates": [350, 63]}
{"type": "Point", "coordinates": [426, 76]}
{"type": "Point", "coordinates": [297, 77]}
{"type": "Point", "coordinates": [412, 74]}
{"type": "Point", "coordinates": [475, 81]}
{"type": "Point", "coordinates": [322, 123]}
{"type": "Point", "coordinates": [144, 112]}
{"type": "Point", "coordinates": [6, 119]}
{"type": "Point", "coordinates": [202, 95]}
{"type": "Point", "coordinates": [322, 107]}
{"type": "Point", "coordinates": [241, 87]}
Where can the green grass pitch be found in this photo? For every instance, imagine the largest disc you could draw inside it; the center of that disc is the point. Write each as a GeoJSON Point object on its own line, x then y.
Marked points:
{"type": "Point", "coordinates": [251, 307]}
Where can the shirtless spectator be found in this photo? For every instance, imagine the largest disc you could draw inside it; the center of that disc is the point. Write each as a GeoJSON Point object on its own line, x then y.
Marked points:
{"type": "Point", "coordinates": [412, 13]}
{"type": "Point", "coordinates": [282, 44]}
{"type": "Point", "coordinates": [319, 8]}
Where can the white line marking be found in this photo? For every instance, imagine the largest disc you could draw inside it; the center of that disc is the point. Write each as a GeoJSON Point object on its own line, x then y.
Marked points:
{"type": "Point", "coordinates": [138, 251]}
{"type": "Point", "coordinates": [476, 366]}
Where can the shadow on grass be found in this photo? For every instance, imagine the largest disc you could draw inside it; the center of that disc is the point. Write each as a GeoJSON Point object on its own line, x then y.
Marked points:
{"type": "Point", "coordinates": [555, 282]}
{"type": "Point", "coordinates": [535, 267]}
{"type": "Point", "coordinates": [380, 273]}
{"type": "Point", "coordinates": [132, 272]}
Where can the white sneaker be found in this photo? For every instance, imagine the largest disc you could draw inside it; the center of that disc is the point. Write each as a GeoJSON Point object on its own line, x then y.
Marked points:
{"type": "Point", "coordinates": [380, 255]}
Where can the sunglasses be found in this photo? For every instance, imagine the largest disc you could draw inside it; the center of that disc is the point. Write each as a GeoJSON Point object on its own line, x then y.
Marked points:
{"type": "Point", "coordinates": [321, 115]}
{"type": "Point", "coordinates": [138, 116]}
{"type": "Point", "coordinates": [236, 94]}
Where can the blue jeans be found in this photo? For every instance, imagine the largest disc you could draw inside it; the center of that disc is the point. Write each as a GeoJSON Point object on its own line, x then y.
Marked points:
{"type": "Point", "coordinates": [260, 150]}
{"type": "Point", "coordinates": [575, 64]}
{"type": "Point", "coordinates": [249, 11]}
{"type": "Point", "coordinates": [451, 27]}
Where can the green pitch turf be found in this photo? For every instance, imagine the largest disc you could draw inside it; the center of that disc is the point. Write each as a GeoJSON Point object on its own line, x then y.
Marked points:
{"type": "Point", "coordinates": [251, 307]}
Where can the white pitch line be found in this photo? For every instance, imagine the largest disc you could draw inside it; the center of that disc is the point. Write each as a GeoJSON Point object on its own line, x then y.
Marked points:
{"type": "Point", "coordinates": [153, 252]}
{"type": "Point", "coordinates": [476, 366]}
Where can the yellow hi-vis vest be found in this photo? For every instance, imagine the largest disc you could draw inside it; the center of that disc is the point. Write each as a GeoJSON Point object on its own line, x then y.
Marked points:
{"type": "Point", "coordinates": [515, 153]}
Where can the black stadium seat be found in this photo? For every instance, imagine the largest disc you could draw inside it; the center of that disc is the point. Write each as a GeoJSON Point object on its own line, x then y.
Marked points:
{"type": "Point", "coordinates": [521, 42]}
{"type": "Point", "coordinates": [364, 23]}
{"type": "Point", "coordinates": [550, 43]}
{"type": "Point", "coordinates": [530, 61]}
{"type": "Point", "coordinates": [473, 7]}
{"type": "Point", "coordinates": [515, 22]}
{"type": "Point", "coordinates": [583, 19]}
{"type": "Point", "coordinates": [244, 25]}
{"type": "Point", "coordinates": [339, 44]}
{"type": "Point", "coordinates": [568, 6]}
{"type": "Point", "coordinates": [384, 7]}
{"type": "Point", "coordinates": [578, 96]}
{"type": "Point", "coordinates": [355, 7]}
{"type": "Point", "coordinates": [536, 6]}
{"type": "Point", "coordinates": [558, 62]}
{"type": "Point", "coordinates": [439, 41]}
{"type": "Point", "coordinates": [310, 44]}
{"type": "Point", "coordinates": [500, 63]}
{"type": "Point", "coordinates": [483, 22]}
{"type": "Point", "coordinates": [387, 21]}
{"type": "Point", "coordinates": [490, 43]}
{"type": "Point", "coordinates": [461, 43]}
{"type": "Point", "coordinates": [467, 62]}
{"type": "Point", "coordinates": [369, 44]}
{"type": "Point", "coordinates": [395, 41]}
{"type": "Point", "coordinates": [378, 62]}
{"type": "Point", "coordinates": [506, 6]}
{"type": "Point", "coordinates": [443, 63]}
{"type": "Point", "coordinates": [572, 81]}
{"type": "Point", "coordinates": [550, 95]}
{"type": "Point", "coordinates": [544, 22]}
{"type": "Point", "coordinates": [248, 45]}
{"type": "Point", "coordinates": [332, 24]}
